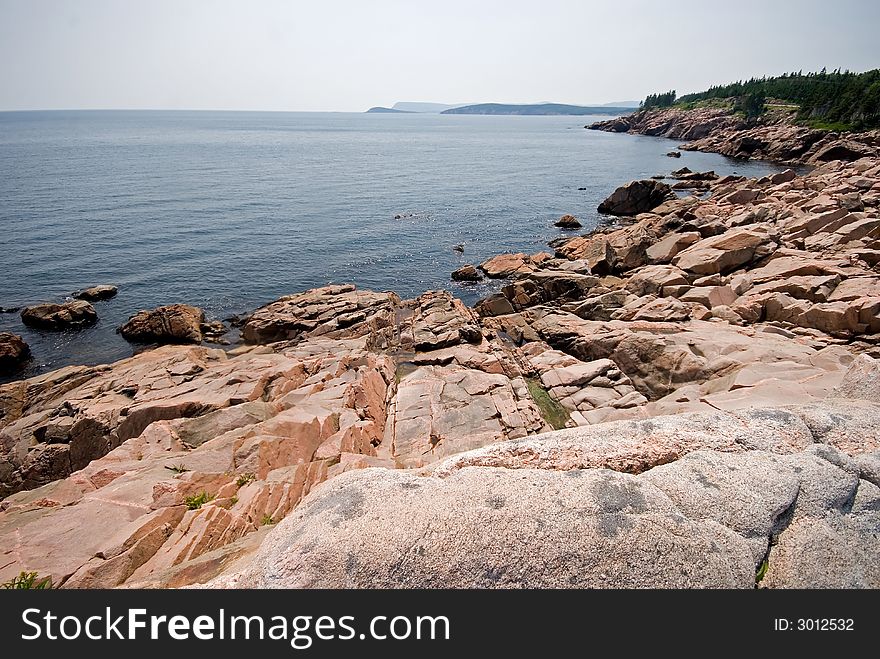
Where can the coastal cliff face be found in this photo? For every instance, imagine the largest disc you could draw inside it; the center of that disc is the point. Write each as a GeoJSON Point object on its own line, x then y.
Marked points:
{"type": "Point", "coordinates": [776, 137]}
{"type": "Point", "coordinates": [711, 366]}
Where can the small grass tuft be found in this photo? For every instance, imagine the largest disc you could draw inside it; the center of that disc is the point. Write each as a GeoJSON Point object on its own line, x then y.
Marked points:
{"type": "Point", "coordinates": [762, 572]}
{"type": "Point", "coordinates": [197, 500]}
{"type": "Point", "coordinates": [177, 469]}
{"type": "Point", "coordinates": [244, 479]}
{"type": "Point", "coordinates": [267, 520]}
{"type": "Point", "coordinates": [832, 126]}
{"type": "Point", "coordinates": [553, 413]}
{"type": "Point", "coordinates": [232, 501]}
{"type": "Point", "coordinates": [28, 581]}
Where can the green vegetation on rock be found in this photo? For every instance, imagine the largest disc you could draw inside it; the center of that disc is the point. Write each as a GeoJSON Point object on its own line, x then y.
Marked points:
{"type": "Point", "coordinates": [836, 126]}
{"type": "Point", "coordinates": [244, 479]}
{"type": "Point", "coordinates": [762, 572]}
{"type": "Point", "coordinates": [28, 581]}
{"type": "Point", "coordinates": [553, 413]}
{"type": "Point", "coordinates": [198, 500]}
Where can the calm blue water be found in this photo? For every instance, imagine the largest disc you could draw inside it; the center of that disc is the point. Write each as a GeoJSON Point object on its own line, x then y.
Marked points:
{"type": "Point", "coordinates": [231, 210]}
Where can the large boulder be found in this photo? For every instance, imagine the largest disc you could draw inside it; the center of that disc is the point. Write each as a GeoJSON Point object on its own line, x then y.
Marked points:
{"type": "Point", "coordinates": [847, 150]}
{"type": "Point", "coordinates": [723, 253]}
{"type": "Point", "coordinates": [596, 251]}
{"type": "Point", "coordinates": [496, 528]}
{"type": "Point", "coordinates": [568, 222]}
{"type": "Point", "coordinates": [855, 288]}
{"type": "Point", "coordinates": [861, 381]}
{"type": "Point", "coordinates": [651, 279]}
{"type": "Point", "coordinates": [438, 321]}
{"type": "Point", "coordinates": [662, 310]}
{"type": "Point", "coordinates": [51, 316]}
{"type": "Point", "coordinates": [13, 352]}
{"type": "Point", "coordinates": [467, 273]}
{"type": "Point", "coordinates": [665, 250]}
{"type": "Point", "coordinates": [548, 285]}
{"type": "Point", "coordinates": [176, 323]}
{"type": "Point", "coordinates": [783, 177]}
{"type": "Point", "coordinates": [710, 296]}
{"type": "Point", "coordinates": [507, 265]}
{"type": "Point", "coordinates": [334, 311]}
{"type": "Point", "coordinates": [496, 304]}
{"type": "Point", "coordinates": [636, 197]}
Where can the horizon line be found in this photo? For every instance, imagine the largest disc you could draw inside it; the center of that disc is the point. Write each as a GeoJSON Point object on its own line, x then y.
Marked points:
{"type": "Point", "coordinates": [11, 110]}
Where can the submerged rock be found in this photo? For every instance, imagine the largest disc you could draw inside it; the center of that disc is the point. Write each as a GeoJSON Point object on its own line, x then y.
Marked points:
{"type": "Point", "coordinates": [97, 293]}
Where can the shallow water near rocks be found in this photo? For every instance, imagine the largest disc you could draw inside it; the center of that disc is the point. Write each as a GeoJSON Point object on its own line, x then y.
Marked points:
{"type": "Point", "coordinates": [229, 211]}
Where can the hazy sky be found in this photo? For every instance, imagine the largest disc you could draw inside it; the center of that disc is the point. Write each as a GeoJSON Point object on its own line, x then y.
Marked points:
{"type": "Point", "coordinates": [348, 55]}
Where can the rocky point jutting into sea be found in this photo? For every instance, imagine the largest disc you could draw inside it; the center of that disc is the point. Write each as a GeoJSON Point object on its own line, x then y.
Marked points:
{"type": "Point", "coordinates": [687, 398]}
{"type": "Point", "coordinates": [778, 136]}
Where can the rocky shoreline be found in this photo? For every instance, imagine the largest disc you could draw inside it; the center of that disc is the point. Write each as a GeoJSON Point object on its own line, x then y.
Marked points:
{"type": "Point", "coordinates": [777, 137]}
{"type": "Point", "coordinates": [689, 397]}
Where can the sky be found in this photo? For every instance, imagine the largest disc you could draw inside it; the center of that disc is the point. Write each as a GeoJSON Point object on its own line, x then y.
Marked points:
{"type": "Point", "coordinates": [345, 55]}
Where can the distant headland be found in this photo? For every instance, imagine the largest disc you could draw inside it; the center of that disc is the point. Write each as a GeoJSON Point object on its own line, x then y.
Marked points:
{"type": "Point", "coordinates": [382, 110]}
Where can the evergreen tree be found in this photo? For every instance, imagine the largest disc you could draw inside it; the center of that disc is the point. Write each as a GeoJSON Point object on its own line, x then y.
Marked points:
{"type": "Point", "coordinates": [659, 100]}
{"type": "Point", "coordinates": [844, 97]}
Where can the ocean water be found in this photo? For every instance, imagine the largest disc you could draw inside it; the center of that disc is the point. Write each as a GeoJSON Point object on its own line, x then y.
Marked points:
{"type": "Point", "coordinates": [229, 211]}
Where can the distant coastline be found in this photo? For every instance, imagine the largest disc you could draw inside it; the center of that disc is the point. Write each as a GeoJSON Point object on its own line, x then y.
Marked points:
{"type": "Point", "coordinates": [538, 109]}
{"type": "Point", "coordinates": [532, 109]}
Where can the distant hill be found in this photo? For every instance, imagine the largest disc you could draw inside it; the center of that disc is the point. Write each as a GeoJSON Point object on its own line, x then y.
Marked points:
{"type": "Point", "coordinates": [381, 110]}
{"type": "Point", "coordinates": [536, 109]}
{"type": "Point", "coordinates": [435, 108]}
{"type": "Point", "coordinates": [621, 104]}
